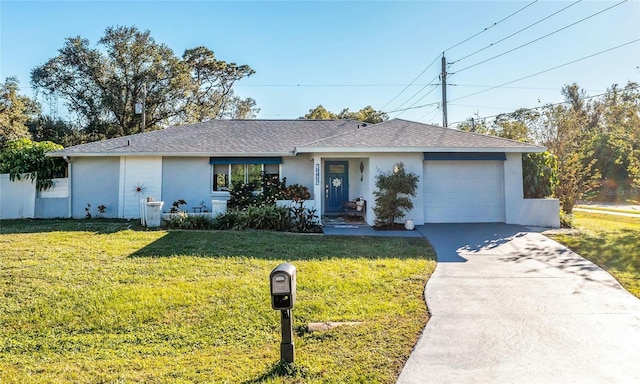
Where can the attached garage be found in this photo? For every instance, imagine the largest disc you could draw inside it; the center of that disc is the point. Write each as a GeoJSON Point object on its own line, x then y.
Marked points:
{"type": "Point", "coordinates": [464, 188]}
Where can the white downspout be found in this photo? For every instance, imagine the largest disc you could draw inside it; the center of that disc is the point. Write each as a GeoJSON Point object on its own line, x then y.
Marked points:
{"type": "Point", "coordinates": [69, 187]}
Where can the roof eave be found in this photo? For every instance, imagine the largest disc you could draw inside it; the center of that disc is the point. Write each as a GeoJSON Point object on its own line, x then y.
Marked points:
{"type": "Point", "coordinates": [167, 154]}
{"type": "Point", "coordinates": [532, 149]}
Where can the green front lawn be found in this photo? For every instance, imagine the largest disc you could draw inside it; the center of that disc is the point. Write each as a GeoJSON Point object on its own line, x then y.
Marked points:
{"type": "Point", "coordinates": [105, 301]}
{"type": "Point", "coordinates": [610, 241]}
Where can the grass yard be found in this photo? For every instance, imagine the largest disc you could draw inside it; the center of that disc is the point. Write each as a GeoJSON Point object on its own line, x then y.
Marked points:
{"type": "Point", "coordinates": [105, 301]}
{"type": "Point", "coordinates": [610, 241]}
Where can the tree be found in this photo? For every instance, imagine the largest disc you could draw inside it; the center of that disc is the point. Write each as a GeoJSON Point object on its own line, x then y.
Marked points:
{"type": "Point", "coordinates": [366, 114]}
{"type": "Point", "coordinates": [539, 175]}
{"type": "Point", "coordinates": [616, 141]}
{"type": "Point", "coordinates": [238, 108]}
{"type": "Point", "coordinates": [319, 113]}
{"type": "Point", "coordinates": [514, 126]}
{"type": "Point", "coordinates": [393, 195]}
{"type": "Point", "coordinates": [565, 131]}
{"type": "Point", "coordinates": [211, 82]}
{"type": "Point", "coordinates": [25, 158]}
{"type": "Point", "coordinates": [46, 128]}
{"type": "Point", "coordinates": [102, 85]}
{"type": "Point", "coordinates": [15, 111]}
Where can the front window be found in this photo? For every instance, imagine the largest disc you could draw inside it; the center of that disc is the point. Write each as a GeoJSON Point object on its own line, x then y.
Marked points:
{"type": "Point", "coordinates": [225, 176]}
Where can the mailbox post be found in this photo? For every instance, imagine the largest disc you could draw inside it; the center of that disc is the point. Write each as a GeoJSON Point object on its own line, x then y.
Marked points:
{"type": "Point", "coordinates": [283, 297]}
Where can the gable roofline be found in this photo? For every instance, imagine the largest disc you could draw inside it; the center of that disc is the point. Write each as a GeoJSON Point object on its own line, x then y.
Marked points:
{"type": "Point", "coordinates": [398, 135]}
{"type": "Point", "coordinates": [290, 137]}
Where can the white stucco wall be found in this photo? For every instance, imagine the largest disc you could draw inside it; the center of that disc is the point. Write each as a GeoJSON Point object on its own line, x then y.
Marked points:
{"type": "Point", "coordinates": [534, 212]}
{"type": "Point", "coordinates": [189, 179]}
{"type": "Point", "coordinates": [95, 181]}
{"type": "Point", "coordinates": [298, 170]}
{"type": "Point", "coordinates": [17, 198]}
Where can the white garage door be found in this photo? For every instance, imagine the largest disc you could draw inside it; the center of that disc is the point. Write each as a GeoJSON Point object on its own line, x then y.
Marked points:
{"type": "Point", "coordinates": [463, 191]}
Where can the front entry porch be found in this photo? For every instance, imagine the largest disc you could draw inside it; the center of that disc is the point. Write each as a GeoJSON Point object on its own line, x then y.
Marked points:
{"type": "Point", "coordinates": [338, 183]}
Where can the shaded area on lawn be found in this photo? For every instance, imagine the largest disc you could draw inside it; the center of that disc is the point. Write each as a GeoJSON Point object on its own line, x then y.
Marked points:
{"type": "Point", "coordinates": [280, 246]}
{"type": "Point", "coordinates": [98, 226]}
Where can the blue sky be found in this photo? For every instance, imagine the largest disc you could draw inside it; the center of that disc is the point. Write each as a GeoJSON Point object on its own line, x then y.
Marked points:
{"type": "Point", "coordinates": [358, 53]}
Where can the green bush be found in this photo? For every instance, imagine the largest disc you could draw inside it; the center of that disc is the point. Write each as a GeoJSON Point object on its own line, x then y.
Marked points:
{"type": "Point", "coordinates": [268, 217]}
{"type": "Point", "coordinates": [304, 219]}
{"type": "Point", "coordinates": [295, 192]}
{"type": "Point", "coordinates": [26, 158]}
{"type": "Point", "coordinates": [182, 220]}
{"type": "Point", "coordinates": [393, 197]}
{"type": "Point", "coordinates": [566, 219]}
{"type": "Point", "coordinates": [241, 195]}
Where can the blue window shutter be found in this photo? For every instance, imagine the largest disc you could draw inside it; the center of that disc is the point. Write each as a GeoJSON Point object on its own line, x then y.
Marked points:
{"type": "Point", "coordinates": [245, 160]}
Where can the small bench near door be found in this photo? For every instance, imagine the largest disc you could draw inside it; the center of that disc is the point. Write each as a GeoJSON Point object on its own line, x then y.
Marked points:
{"type": "Point", "coordinates": [354, 209]}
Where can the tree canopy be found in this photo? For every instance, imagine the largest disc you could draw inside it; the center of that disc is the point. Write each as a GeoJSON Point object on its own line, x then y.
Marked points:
{"type": "Point", "coordinates": [102, 85]}
{"type": "Point", "coordinates": [595, 142]}
{"type": "Point", "coordinates": [366, 114]}
{"type": "Point", "coordinates": [25, 158]}
{"type": "Point", "coordinates": [15, 112]}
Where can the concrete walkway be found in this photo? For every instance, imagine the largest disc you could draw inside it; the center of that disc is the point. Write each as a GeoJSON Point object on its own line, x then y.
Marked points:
{"type": "Point", "coordinates": [512, 306]}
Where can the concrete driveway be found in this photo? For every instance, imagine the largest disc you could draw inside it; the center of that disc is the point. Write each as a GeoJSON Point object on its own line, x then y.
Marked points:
{"type": "Point", "coordinates": [512, 306]}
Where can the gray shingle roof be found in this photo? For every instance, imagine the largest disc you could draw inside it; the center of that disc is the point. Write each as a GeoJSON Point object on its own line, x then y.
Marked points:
{"type": "Point", "coordinates": [404, 135]}
{"type": "Point", "coordinates": [287, 137]}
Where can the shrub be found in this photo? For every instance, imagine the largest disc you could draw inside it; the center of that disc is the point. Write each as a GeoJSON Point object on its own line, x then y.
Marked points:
{"type": "Point", "coordinates": [268, 217]}
{"type": "Point", "coordinates": [393, 196]}
{"type": "Point", "coordinates": [241, 195]}
{"type": "Point", "coordinates": [182, 220]}
{"type": "Point", "coordinates": [272, 189]}
{"type": "Point", "coordinates": [539, 175]}
{"type": "Point", "coordinates": [175, 207]}
{"type": "Point", "coordinates": [304, 219]}
{"type": "Point", "coordinates": [26, 158]}
{"type": "Point", "coordinates": [566, 219]}
{"type": "Point", "coordinates": [295, 192]}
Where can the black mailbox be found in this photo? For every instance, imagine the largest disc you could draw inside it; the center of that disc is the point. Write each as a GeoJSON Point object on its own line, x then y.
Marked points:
{"type": "Point", "coordinates": [283, 286]}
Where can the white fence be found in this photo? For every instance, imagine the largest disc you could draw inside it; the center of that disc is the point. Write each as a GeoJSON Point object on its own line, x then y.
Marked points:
{"type": "Point", "coordinates": [19, 199]}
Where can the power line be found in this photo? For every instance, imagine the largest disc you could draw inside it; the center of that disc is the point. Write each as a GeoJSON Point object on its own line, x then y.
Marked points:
{"type": "Point", "coordinates": [416, 102]}
{"type": "Point", "coordinates": [540, 38]}
{"type": "Point", "coordinates": [416, 107]}
{"type": "Point", "coordinates": [453, 46]}
{"type": "Point", "coordinates": [478, 106]}
{"type": "Point", "coordinates": [329, 85]}
{"type": "Point", "coordinates": [530, 88]}
{"type": "Point", "coordinates": [492, 25]}
{"type": "Point", "coordinates": [412, 81]}
{"type": "Point", "coordinates": [552, 105]}
{"type": "Point", "coordinates": [429, 114]}
{"type": "Point", "coordinates": [515, 33]}
{"type": "Point", "coordinates": [550, 69]}
{"type": "Point", "coordinates": [415, 94]}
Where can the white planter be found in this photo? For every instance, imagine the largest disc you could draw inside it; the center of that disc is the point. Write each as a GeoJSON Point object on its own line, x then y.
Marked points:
{"type": "Point", "coordinates": [409, 225]}
{"type": "Point", "coordinates": [154, 214]}
{"type": "Point", "coordinates": [218, 207]}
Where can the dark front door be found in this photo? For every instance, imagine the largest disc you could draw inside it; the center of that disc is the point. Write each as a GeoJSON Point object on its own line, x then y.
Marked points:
{"type": "Point", "coordinates": [336, 185]}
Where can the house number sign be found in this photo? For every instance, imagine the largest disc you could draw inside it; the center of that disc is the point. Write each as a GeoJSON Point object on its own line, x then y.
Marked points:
{"type": "Point", "coordinates": [317, 174]}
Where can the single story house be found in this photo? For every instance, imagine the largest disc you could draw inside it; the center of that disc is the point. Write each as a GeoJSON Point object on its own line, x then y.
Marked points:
{"type": "Point", "coordinates": [464, 177]}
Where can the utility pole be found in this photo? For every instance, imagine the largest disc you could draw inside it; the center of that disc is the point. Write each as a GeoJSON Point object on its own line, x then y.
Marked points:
{"type": "Point", "coordinates": [141, 108]}
{"type": "Point", "coordinates": [443, 77]}
{"type": "Point", "coordinates": [144, 106]}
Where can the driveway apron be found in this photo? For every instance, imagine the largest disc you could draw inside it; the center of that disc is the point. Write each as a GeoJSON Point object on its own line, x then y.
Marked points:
{"type": "Point", "coordinates": [509, 305]}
